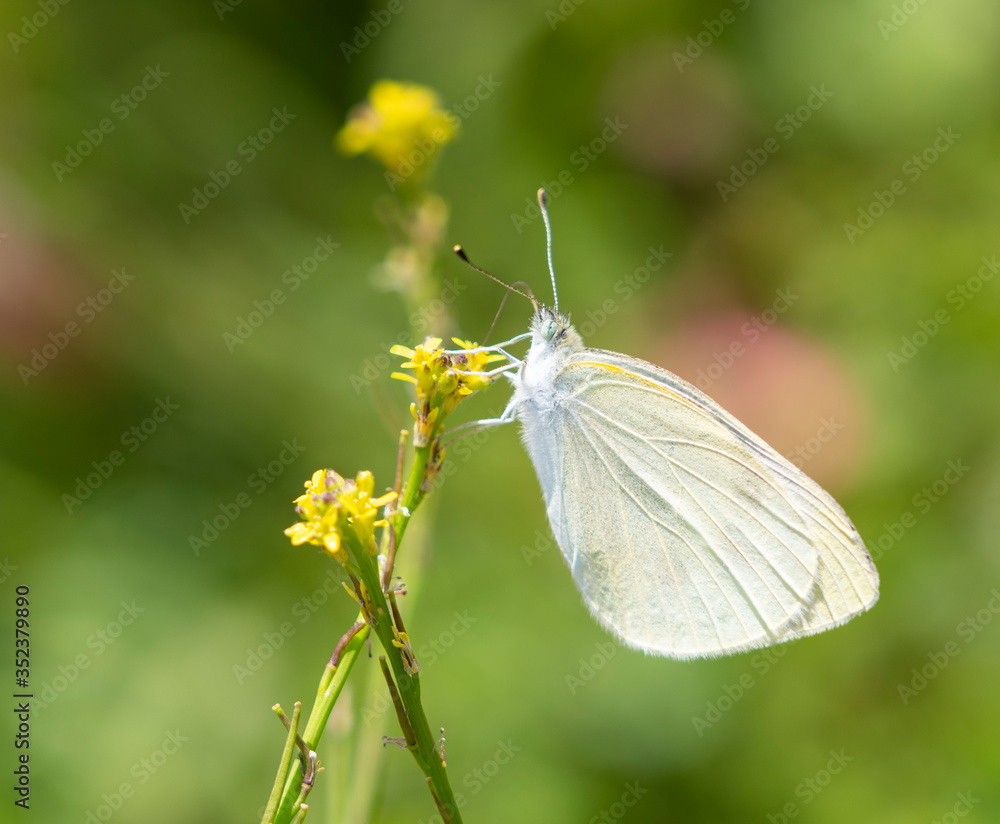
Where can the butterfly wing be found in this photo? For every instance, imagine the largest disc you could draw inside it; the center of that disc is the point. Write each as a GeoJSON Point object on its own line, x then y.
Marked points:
{"type": "Point", "coordinates": [685, 533]}
{"type": "Point", "coordinates": [847, 583]}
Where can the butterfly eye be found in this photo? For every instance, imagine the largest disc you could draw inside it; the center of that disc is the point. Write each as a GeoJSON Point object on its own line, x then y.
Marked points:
{"type": "Point", "coordinates": [549, 329]}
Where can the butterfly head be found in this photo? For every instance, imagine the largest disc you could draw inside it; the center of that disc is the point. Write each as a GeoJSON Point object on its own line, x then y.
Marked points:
{"type": "Point", "coordinates": [552, 331]}
{"type": "Point", "coordinates": [553, 340]}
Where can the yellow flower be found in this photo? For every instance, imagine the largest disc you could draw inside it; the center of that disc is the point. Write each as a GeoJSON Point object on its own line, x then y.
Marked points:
{"type": "Point", "coordinates": [402, 125]}
{"type": "Point", "coordinates": [334, 508]}
{"type": "Point", "coordinates": [442, 380]}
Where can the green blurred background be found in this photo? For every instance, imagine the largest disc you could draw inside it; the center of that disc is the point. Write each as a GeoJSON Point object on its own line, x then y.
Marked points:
{"type": "Point", "coordinates": [841, 96]}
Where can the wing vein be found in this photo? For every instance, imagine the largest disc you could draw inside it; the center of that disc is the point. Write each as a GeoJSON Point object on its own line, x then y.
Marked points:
{"type": "Point", "coordinates": [674, 462]}
{"type": "Point", "coordinates": [680, 537]}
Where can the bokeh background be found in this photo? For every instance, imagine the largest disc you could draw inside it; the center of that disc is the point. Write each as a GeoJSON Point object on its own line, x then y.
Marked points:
{"type": "Point", "coordinates": [853, 370]}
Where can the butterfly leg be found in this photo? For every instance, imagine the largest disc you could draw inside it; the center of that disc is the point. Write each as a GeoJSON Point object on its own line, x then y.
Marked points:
{"type": "Point", "coordinates": [494, 347]}
{"type": "Point", "coordinates": [513, 361]}
{"type": "Point", "coordinates": [507, 416]}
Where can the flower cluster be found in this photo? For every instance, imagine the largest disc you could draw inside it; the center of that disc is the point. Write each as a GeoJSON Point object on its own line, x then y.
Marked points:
{"type": "Point", "coordinates": [442, 380]}
{"type": "Point", "coordinates": [402, 125]}
{"type": "Point", "coordinates": [335, 509]}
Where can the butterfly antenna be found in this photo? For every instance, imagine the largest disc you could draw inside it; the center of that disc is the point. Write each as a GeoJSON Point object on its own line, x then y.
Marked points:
{"type": "Point", "coordinates": [543, 199]}
{"type": "Point", "coordinates": [458, 250]}
{"type": "Point", "coordinates": [502, 302]}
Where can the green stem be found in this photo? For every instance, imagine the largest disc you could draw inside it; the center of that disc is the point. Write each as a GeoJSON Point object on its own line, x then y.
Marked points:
{"type": "Point", "coordinates": [367, 778]}
{"type": "Point", "coordinates": [330, 686]}
{"type": "Point", "coordinates": [284, 764]}
{"type": "Point", "coordinates": [425, 750]}
{"type": "Point", "coordinates": [413, 494]}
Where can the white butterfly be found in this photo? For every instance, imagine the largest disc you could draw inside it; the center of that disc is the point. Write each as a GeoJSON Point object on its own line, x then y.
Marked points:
{"type": "Point", "coordinates": [686, 534]}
